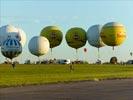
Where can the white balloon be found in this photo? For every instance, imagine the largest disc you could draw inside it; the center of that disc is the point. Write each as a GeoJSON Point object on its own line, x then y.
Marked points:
{"type": "Point", "coordinates": [21, 36]}
{"type": "Point", "coordinates": [11, 48]}
{"type": "Point", "coordinates": [9, 31]}
{"type": "Point", "coordinates": [39, 45]}
{"type": "Point", "coordinates": [5, 31]}
{"type": "Point", "coordinates": [93, 36]}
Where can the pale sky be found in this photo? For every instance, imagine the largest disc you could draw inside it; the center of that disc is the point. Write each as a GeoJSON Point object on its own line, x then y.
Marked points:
{"type": "Point", "coordinates": [33, 15]}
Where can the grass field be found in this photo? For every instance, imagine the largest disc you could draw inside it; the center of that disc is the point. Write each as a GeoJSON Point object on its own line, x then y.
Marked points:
{"type": "Point", "coordinates": [43, 74]}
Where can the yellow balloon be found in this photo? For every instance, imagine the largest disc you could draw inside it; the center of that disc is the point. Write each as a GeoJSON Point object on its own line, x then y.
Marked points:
{"type": "Point", "coordinates": [76, 37]}
{"type": "Point", "coordinates": [113, 34]}
{"type": "Point", "coordinates": [53, 34]}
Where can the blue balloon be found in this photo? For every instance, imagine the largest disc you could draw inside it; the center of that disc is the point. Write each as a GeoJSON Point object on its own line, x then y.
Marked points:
{"type": "Point", "coordinates": [11, 48]}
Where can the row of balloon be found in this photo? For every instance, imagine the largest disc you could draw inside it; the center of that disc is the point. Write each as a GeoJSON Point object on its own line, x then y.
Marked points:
{"type": "Point", "coordinates": [75, 37]}
{"type": "Point", "coordinates": [50, 37]}
{"type": "Point", "coordinates": [12, 39]}
{"type": "Point", "coordinates": [111, 34]}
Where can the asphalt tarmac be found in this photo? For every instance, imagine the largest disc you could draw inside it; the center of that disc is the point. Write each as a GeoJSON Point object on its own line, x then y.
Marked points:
{"type": "Point", "coordinates": [87, 90]}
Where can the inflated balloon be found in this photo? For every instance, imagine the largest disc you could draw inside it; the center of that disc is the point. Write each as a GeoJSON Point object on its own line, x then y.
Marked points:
{"type": "Point", "coordinates": [38, 45]}
{"type": "Point", "coordinates": [85, 49]}
{"type": "Point", "coordinates": [11, 48]}
{"type": "Point", "coordinates": [113, 34]}
{"type": "Point", "coordinates": [76, 37]}
{"type": "Point", "coordinates": [21, 36]}
{"type": "Point", "coordinates": [53, 34]}
{"type": "Point", "coordinates": [5, 31]}
{"type": "Point", "coordinates": [10, 31]}
{"type": "Point", "coordinates": [93, 36]}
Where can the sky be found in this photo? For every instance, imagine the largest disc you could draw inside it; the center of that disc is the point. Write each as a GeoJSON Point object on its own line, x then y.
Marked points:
{"type": "Point", "coordinates": [33, 15]}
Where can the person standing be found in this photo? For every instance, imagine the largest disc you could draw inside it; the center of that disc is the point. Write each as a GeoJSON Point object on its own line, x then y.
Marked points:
{"type": "Point", "coordinates": [13, 64]}
{"type": "Point", "coordinates": [71, 66]}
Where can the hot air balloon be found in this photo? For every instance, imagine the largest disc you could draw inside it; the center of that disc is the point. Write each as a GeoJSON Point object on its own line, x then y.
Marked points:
{"type": "Point", "coordinates": [21, 36]}
{"type": "Point", "coordinates": [53, 34]}
{"type": "Point", "coordinates": [39, 45]}
{"type": "Point", "coordinates": [113, 34]}
{"type": "Point", "coordinates": [76, 37]}
{"type": "Point", "coordinates": [11, 48]}
{"type": "Point", "coordinates": [5, 30]}
{"type": "Point", "coordinates": [93, 36]}
{"type": "Point", "coordinates": [85, 49]}
{"type": "Point", "coordinates": [10, 31]}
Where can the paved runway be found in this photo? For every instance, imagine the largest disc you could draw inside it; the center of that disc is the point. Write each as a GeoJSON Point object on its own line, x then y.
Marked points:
{"type": "Point", "coordinates": [88, 90]}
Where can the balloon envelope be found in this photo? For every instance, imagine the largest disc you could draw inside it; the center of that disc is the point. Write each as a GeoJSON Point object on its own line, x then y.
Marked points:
{"type": "Point", "coordinates": [38, 45]}
{"type": "Point", "coordinates": [11, 48]}
{"type": "Point", "coordinates": [93, 36]}
{"type": "Point", "coordinates": [76, 37]}
{"type": "Point", "coordinates": [21, 35]}
{"type": "Point", "coordinates": [53, 34]}
{"type": "Point", "coordinates": [10, 31]}
{"type": "Point", "coordinates": [113, 34]}
{"type": "Point", "coordinates": [5, 31]}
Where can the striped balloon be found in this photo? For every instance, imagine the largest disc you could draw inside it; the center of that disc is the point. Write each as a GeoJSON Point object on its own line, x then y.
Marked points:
{"type": "Point", "coordinates": [11, 48]}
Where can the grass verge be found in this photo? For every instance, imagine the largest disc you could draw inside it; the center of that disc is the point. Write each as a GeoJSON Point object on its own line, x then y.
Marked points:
{"type": "Point", "coordinates": [45, 74]}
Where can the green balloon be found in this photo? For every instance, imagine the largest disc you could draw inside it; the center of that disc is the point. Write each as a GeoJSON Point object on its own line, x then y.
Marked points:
{"type": "Point", "coordinates": [53, 34]}
{"type": "Point", "coordinates": [76, 37]}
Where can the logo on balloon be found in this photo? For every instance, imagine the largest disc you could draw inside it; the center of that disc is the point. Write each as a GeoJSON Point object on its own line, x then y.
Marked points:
{"type": "Point", "coordinates": [53, 35]}
{"type": "Point", "coordinates": [76, 36]}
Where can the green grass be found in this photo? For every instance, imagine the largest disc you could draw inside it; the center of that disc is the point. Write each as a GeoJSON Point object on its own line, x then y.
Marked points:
{"type": "Point", "coordinates": [43, 74]}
